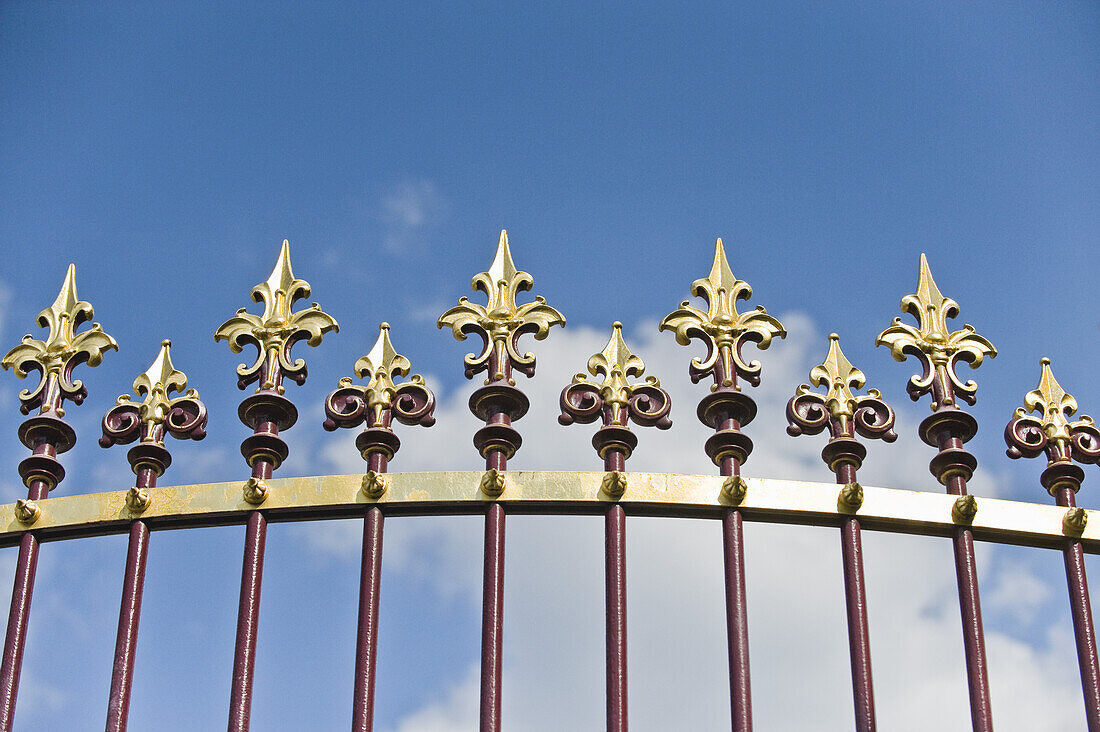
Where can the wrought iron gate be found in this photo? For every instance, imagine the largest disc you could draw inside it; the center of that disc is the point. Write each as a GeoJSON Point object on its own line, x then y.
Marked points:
{"type": "Point", "coordinates": [612, 392]}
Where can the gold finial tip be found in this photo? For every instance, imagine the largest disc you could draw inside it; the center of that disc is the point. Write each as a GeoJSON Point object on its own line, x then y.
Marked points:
{"type": "Point", "coordinates": [286, 242]}
{"type": "Point", "coordinates": [165, 343]}
{"type": "Point", "coordinates": [384, 325]}
{"type": "Point", "coordinates": [834, 337]}
{"type": "Point", "coordinates": [617, 325]}
{"type": "Point", "coordinates": [1044, 361]}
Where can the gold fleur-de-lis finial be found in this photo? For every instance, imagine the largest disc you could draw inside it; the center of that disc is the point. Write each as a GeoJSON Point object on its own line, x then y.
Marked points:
{"type": "Point", "coordinates": [382, 398]}
{"type": "Point", "coordinates": [1049, 430]}
{"type": "Point", "coordinates": [501, 321]}
{"type": "Point", "coordinates": [721, 327]}
{"type": "Point", "coordinates": [840, 377]}
{"type": "Point", "coordinates": [276, 331]}
{"type": "Point", "coordinates": [157, 415]}
{"type": "Point", "coordinates": [839, 407]}
{"type": "Point", "coordinates": [1054, 405]}
{"type": "Point", "coordinates": [616, 363]}
{"type": "Point", "coordinates": [380, 366]}
{"type": "Point", "coordinates": [63, 349]}
{"type": "Point", "coordinates": [159, 381]}
{"type": "Point", "coordinates": [935, 344]}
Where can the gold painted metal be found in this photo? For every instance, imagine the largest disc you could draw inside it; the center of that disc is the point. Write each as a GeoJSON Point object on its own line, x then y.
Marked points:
{"type": "Point", "coordinates": [734, 489]}
{"type": "Point", "coordinates": [964, 509]}
{"type": "Point", "coordinates": [840, 377]}
{"type": "Point", "coordinates": [27, 511]}
{"type": "Point", "coordinates": [1056, 406]}
{"type": "Point", "coordinates": [256, 491]}
{"type": "Point", "coordinates": [380, 366]}
{"type": "Point", "coordinates": [374, 484]}
{"type": "Point", "coordinates": [933, 340]}
{"type": "Point", "coordinates": [651, 494]}
{"type": "Point", "coordinates": [721, 327]}
{"type": "Point", "coordinates": [137, 499]}
{"type": "Point", "coordinates": [616, 363]}
{"type": "Point", "coordinates": [500, 320]}
{"type": "Point", "coordinates": [1075, 521]}
{"type": "Point", "coordinates": [55, 357]}
{"type": "Point", "coordinates": [614, 484]}
{"type": "Point", "coordinates": [493, 482]}
{"type": "Point", "coordinates": [850, 497]}
{"type": "Point", "coordinates": [277, 328]}
{"type": "Point", "coordinates": [158, 381]}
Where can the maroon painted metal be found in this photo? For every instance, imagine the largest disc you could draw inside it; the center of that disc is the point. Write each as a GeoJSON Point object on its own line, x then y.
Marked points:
{"type": "Point", "coordinates": [615, 590]}
{"type": "Point", "coordinates": [248, 620]}
{"type": "Point", "coordinates": [18, 617]}
{"type": "Point", "coordinates": [845, 414]}
{"type": "Point", "coordinates": [122, 675]}
{"type": "Point", "coordinates": [183, 417]}
{"type": "Point", "coordinates": [1063, 444]}
{"type": "Point", "coordinates": [646, 404]}
{"type": "Point", "coordinates": [366, 641]}
{"type": "Point", "coordinates": [949, 428]}
{"type": "Point", "coordinates": [492, 618]}
{"type": "Point", "coordinates": [737, 620]}
{"type": "Point", "coordinates": [376, 405]}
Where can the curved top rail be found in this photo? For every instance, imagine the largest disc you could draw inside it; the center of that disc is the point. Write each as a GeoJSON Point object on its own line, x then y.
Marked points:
{"type": "Point", "coordinates": [549, 492]}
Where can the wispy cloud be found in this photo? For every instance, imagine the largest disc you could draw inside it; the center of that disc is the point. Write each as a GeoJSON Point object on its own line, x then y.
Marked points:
{"type": "Point", "coordinates": [412, 209]}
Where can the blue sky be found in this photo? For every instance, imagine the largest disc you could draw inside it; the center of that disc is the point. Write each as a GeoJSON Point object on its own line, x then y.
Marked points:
{"type": "Point", "coordinates": [167, 151]}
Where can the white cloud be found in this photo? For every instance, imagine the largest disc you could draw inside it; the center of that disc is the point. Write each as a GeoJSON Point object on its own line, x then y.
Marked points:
{"type": "Point", "coordinates": [412, 208]}
{"type": "Point", "coordinates": [677, 641]}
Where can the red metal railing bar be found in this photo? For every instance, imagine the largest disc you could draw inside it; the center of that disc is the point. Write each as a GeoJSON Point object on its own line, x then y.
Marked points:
{"type": "Point", "coordinates": [248, 613]}
{"type": "Point", "coordinates": [18, 617]}
{"type": "Point", "coordinates": [855, 600]}
{"type": "Point", "coordinates": [615, 604]}
{"type": "Point", "coordinates": [122, 675]}
{"type": "Point", "coordinates": [737, 616]}
{"type": "Point", "coordinates": [1083, 631]}
{"type": "Point", "coordinates": [370, 588]}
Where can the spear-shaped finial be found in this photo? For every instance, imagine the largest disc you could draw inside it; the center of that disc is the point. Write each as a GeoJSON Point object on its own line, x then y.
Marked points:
{"type": "Point", "coordinates": [158, 414]}
{"type": "Point", "coordinates": [501, 321]}
{"type": "Point", "coordinates": [64, 349]}
{"type": "Point", "coordinates": [276, 331]}
{"type": "Point", "coordinates": [839, 408]}
{"type": "Point", "coordinates": [721, 327]}
{"type": "Point", "coordinates": [934, 344]}
{"type": "Point", "coordinates": [381, 400]}
{"type": "Point", "coordinates": [1053, 433]}
{"type": "Point", "coordinates": [614, 398]}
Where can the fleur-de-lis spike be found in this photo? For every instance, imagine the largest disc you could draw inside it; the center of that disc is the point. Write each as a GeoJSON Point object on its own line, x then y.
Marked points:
{"type": "Point", "coordinates": [721, 327]}
{"type": "Point", "coordinates": [63, 350]}
{"type": "Point", "coordinates": [500, 322]}
{"type": "Point", "coordinates": [381, 399]}
{"type": "Point", "coordinates": [1052, 431]}
{"type": "Point", "coordinates": [614, 396]}
{"type": "Point", "coordinates": [158, 413]}
{"type": "Point", "coordinates": [937, 347]}
{"type": "Point", "coordinates": [276, 331]}
{"type": "Point", "coordinates": [839, 407]}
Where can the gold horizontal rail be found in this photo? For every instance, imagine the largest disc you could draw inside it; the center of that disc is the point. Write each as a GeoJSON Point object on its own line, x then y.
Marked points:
{"type": "Point", "coordinates": [546, 492]}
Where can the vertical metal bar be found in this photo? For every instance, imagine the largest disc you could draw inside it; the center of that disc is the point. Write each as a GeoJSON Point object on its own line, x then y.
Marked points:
{"type": "Point", "coordinates": [370, 587]}
{"type": "Point", "coordinates": [615, 605]}
{"type": "Point", "coordinates": [615, 582]}
{"type": "Point", "coordinates": [966, 573]}
{"type": "Point", "coordinates": [855, 599]}
{"type": "Point", "coordinates": [1083, 632]}
{"type": "Point", "coordinates": [137, 552]}
{"type": "Point", "coordinates": [492, 618]}
{"type": "Point", "coordinates": [19, 615]}
{"type": "Point", "coordinates": [737, 617]}
{"type": "Point", "coordinates": [248, 617]}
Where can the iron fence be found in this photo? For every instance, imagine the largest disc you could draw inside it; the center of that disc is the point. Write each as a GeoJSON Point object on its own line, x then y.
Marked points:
{"type": "Point", "coordinates": [611, 392]}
